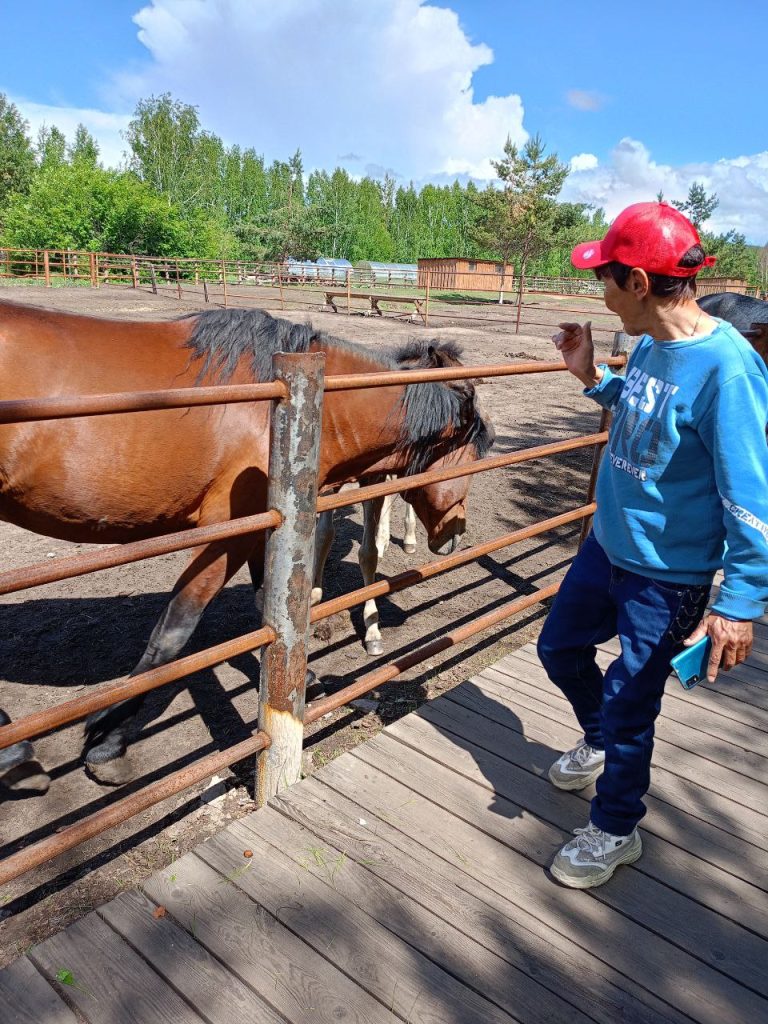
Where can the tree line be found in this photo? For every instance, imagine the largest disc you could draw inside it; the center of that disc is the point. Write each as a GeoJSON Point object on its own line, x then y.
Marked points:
{"type": "Point", "coordinates": [182, 192]}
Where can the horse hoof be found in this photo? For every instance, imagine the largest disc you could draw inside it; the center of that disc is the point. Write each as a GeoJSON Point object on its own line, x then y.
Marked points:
{"type": "Point", "coordinates": [29, 777]}
{"type": "Point", "coordinates": [374, 648]}
{"type": "Point", "coordinates": [117, 772]}
{"type": "Point", "coordinates": [409, 548]}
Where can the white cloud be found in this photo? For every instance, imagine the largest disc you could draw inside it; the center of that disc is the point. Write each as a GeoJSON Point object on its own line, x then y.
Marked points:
{"type": "Point", "coordinates": [104, 127]}
{"type": "Point", "coordinates": [581, 99]}
{"type": "Point", "coordinates": [632, 176]}
{"type": "Point", "coordinates": [583, 162]}
{"type": "Point", "coordinates": [389, 82]}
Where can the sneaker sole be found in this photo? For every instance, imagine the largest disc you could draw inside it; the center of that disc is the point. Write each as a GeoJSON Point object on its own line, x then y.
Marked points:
{"type": "Point", "coordinates": [589, 882]}
{"type": "Point", "coordinates": [576, 781]}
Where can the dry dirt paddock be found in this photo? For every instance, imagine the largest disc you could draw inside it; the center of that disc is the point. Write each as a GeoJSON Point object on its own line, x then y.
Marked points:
{"type": "Point", "coordinates": [58, 640]}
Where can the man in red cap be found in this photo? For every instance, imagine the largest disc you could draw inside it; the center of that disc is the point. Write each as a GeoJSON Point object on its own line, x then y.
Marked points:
{"type": "Point", "coordinates": [682, 491]}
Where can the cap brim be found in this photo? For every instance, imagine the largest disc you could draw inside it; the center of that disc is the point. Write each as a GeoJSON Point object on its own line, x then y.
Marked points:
{"type": "Point", "coordinates": [587, 255]}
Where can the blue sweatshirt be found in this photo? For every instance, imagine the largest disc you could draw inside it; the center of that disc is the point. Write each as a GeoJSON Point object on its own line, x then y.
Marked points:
{"type": "Point", "coordinates": [683, 485]}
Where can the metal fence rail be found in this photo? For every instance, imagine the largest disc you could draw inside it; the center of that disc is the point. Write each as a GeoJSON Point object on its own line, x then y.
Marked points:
{"type": "Point", "coordinates": [293, 455]}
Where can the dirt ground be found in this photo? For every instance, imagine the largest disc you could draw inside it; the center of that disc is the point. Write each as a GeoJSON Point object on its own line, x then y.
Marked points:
{"type": "Point", "coordinates": [58, 640]}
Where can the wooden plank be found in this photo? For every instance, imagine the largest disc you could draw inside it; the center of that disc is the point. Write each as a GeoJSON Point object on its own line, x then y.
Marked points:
{"type": "Point", "coordinates": [530, 678]}
{"type": "Point", "coordinates": [675, 811]}
{"type": "Point", "coordinates": [684, 792]}
{"type": "Point", "coordinates": [721, 703]}
{"type": "Point", "coordinates": [184, 964]}
{"type": "Point", "coordinates": [27, 998]}
{"type": "Point", "coordinates": [298, 983]}
{"type": "Point", "coordinates": [485, 744]}
{"type": "Point", "coordinates": [707, 996]}
{"type": "Point", "coordinates": [112, 984]}
{"type": "Point", "coordinates": [402, 911]}
{"type": "Point", "coordinates": [676, 744]}
{"type": "Point", "coordinates": [404, 981]}
{"type": "Point", "coordinates": [706, 935]}
{"type": "Point", "coordinates": [508, 930]}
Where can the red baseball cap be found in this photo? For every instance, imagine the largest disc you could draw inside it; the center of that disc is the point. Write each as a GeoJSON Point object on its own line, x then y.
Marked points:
{"type": "Point", "coordinates": [652, 236]}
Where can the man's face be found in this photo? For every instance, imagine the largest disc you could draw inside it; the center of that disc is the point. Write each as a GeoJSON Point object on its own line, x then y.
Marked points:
{"type": "Point", "coordinates": [625, 302]}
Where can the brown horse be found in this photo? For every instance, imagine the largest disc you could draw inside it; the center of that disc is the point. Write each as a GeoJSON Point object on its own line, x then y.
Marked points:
{"type": "Point", "coordinates": [116, 478]}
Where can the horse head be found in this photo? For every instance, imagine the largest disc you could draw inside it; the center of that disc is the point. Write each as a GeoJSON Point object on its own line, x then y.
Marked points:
{"type": "Point", "coordinates": [466, 436]}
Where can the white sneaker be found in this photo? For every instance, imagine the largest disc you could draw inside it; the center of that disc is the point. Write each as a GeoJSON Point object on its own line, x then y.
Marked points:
{"type": "Point", "coordinates": [577, 767]}
{"type": "Point", "coordinates": [591, 858]}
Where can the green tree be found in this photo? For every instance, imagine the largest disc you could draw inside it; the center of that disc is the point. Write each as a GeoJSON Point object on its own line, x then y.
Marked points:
{"type": "Point", "coordinates": [174, 156]}
{"type": "Point", "coordinates": [698, 206]}
{"type": "Point", "coordinates": [17, 157]}
{"type": "Point", "coordinates": [516, 221]}
{"type": "Point", "coordinates": [51, 146]}
{"type": "Point", "coordinates": [85, 149]}
{"type": "Point", "coordinates": [81, 206]}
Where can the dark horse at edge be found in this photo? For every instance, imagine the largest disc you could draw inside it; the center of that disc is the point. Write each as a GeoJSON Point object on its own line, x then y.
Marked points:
{"type": "Point", "coordinates": [117, 478]}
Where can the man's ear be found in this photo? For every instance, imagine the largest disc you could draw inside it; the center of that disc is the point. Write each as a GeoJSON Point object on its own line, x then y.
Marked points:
{"type": "Point", "coordinates": [638, 283]}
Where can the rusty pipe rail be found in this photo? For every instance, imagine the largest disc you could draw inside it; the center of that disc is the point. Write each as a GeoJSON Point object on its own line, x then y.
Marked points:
{"type": "Point", "coordinates": [24, 410]}
{"type": "Point", "coordinates": [39, 573]}
{"type": "Point", "coordinates": [110, 693]}
{"type": "Point", "coordinates": [410, 577]}
{"type": "Point", "coordinates": [407, 483]}
{"type": "Point", "coordinates": [387, 673]}
{"type": "Point", "coordinates": [386, 378]}
{"type": "Point", "coordinates": [93, 825]}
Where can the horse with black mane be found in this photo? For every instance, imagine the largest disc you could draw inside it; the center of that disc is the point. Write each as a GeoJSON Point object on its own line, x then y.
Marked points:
{"type": "Point", "coordinates": [748, 315]}
{"type": "Point", "coordinates": [118, 478]}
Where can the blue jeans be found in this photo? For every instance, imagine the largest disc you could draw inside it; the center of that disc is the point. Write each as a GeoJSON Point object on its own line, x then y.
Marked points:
{"type": "Point", "coordinates": [617, 711]}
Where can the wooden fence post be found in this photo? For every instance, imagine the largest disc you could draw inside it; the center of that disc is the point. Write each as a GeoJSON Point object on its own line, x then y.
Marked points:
{"type": "Point", "coordinates": [426, 304]}
{"type": "Point", "coordinates": [288, 567]}
{"type": "Point", "coordinates": [153, 278]}
{"type": "Point", "coordinates": [280, 285]}
{"type": "Point", "coordinates": [205, 289]}
{"type": "Point", "coordinates": [621, 345]}
{"type": "Point", "coordinates": [224, 281]}
{"type": "Point", "coordinates": [178, 282]}
{"type": "Point", "coordinates": [134, 272]}
{"type": "Point", "coordinates": [349, 292]}
{"type": "Point", "coordinates": [94, 271]}
{"type": "Point", "coordinates": [47, 268]}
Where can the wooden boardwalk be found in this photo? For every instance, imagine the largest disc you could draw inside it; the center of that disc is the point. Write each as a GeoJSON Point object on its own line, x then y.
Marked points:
{"type": "Point", "coordinates": [406, 881]}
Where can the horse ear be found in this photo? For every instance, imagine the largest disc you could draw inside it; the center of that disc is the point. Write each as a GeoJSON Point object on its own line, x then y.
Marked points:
{"type": "Point", "coordinates": [433, 357]}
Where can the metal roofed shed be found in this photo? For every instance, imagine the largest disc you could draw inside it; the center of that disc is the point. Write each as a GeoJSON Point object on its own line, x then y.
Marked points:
{"type": "Point", "coordinates": [389, 273]}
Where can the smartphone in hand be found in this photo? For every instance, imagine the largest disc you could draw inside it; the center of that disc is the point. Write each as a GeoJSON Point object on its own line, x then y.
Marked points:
{"type": "Point", "coordinates": [690, 665]}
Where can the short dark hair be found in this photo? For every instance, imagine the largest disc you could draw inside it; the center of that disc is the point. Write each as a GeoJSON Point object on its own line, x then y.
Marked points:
{"type": "Point", "coordinates": [662, 285]}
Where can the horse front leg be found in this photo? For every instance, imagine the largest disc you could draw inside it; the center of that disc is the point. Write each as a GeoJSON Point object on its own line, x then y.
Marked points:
{"type": "Point", "coordinates": [20, 771]}
{"type": "Point", "coordinates": [324, 536]}
{"type": "Point", "coordinates": [107, 731]}
{"type": "Point", "coordinates": [409, 537]}
{"type": "Point", "coordinates": [368, 557]}
{"type": "Point", "coordinates": [383, 530]}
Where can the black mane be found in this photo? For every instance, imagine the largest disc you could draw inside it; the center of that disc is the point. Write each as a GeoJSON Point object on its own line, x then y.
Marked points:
{"type": "Point", "coordinates": [222, 337]}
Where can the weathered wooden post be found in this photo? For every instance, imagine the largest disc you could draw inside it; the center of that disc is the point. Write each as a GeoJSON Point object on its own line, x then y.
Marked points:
{"type": "Point", "coordinates": [47, 268]}
{"type": "Point", "coordinates": [134, 272]}
{"type": "Point", "coordinates": [426, 304]}
{"type": "Point", "coordinates": [224, 281]}
{"type": "Point", "coordinates": [622, 343]}
{"type": "Point", "coordinates": [288, 567]}
{"type": "Point", "coordinates": [93, 269]}
{"type": "Point", "coordinates": [153, 277]}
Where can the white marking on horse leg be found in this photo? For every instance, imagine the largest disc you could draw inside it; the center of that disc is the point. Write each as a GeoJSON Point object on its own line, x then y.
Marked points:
{"type": "Point", "coordinates": [383, 529]}
{"type": "Point", "coordinates": [409, 538]}
{"type": "Point", "coordinates": [324, 536]}
{"type": "Point", "coordinates": [368, 556]}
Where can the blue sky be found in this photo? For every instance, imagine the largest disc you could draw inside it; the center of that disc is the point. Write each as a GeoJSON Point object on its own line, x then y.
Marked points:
{"type": "Point", "coordinates": [639, 98]}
